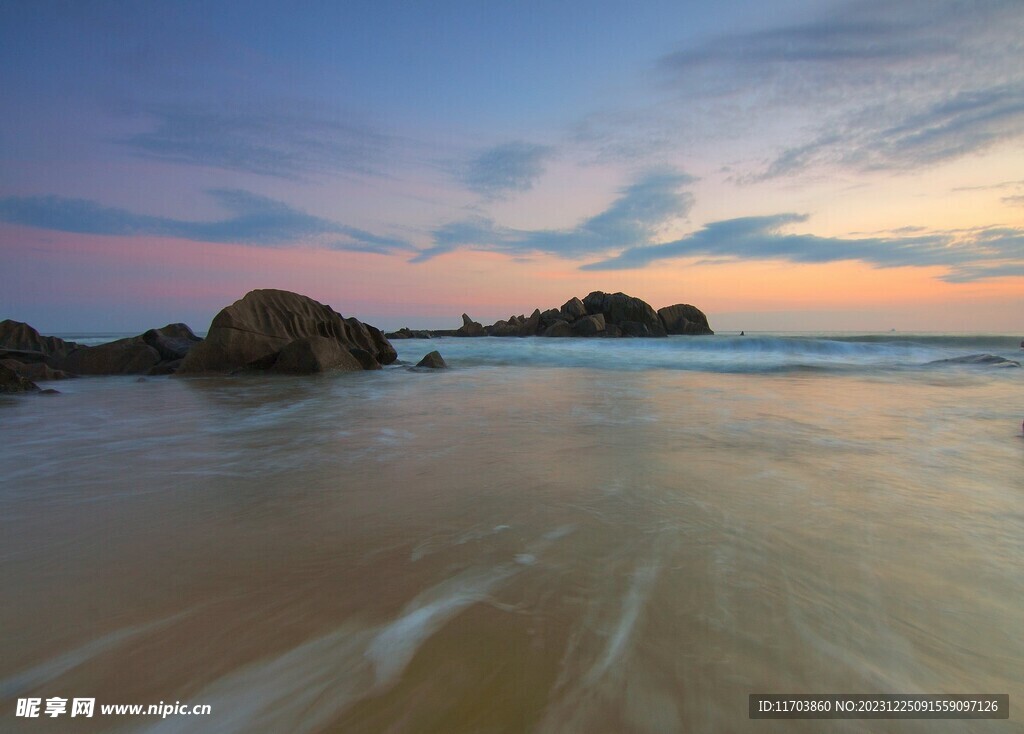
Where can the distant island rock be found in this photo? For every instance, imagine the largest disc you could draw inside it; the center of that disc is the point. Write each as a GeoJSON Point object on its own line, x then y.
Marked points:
{"type": "Point", "coordinates": [600, 314]}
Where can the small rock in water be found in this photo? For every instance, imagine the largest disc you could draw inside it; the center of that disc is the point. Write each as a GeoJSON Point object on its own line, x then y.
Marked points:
{"type": "Point", "coordinates": [434, 360]}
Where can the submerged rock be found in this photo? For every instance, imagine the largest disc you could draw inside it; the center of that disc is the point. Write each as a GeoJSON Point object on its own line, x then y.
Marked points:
{"type": "Point", "coordinates": [251, 331]}
{"type": "Point", "coordinates": [434, 360]}
{"type": "Point", "coordinates": [990, 360]}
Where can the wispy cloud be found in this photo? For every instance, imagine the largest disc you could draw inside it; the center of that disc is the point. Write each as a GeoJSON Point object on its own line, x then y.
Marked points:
{"type": "Point", "coordinates": [968, 254]}
{"type": "Point", "coordinates": [507, 168]}
{"type": "Point", "coordinates": [969, 122]}
{"type": "Point", "coordinates": [640, 211]}
{"type": "Point", "coordinates": [254, 220]}
{"type": "Point", "coordinates": [284, 141]}
{"type": "Point", "coordinates": [870, 86]}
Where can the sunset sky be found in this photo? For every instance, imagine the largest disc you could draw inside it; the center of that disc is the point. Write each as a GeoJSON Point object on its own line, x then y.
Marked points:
{"type": "Point", "coordinates": [784, 165]}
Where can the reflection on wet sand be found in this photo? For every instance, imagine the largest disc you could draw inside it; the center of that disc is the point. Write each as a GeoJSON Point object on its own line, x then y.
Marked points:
{"type": "Point", "coordinates": [545, 550]}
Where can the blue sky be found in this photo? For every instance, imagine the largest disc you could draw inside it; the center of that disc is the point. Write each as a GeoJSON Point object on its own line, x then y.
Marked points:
{"type": "Point", "coordinates": [734, 155]}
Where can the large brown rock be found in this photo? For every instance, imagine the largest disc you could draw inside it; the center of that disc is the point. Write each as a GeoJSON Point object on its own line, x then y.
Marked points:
{"type": "Point", "coordinates": [17, 337]}
{"type": "Point", "coordinates": [311, 354]}
{"type": "Point", "coordinates": [683, 318]}
{"type": "Point", "coordinates": [11, 381]}
{"type": "Point", "coordinates": [256, 327]}
{"type": "Point", "coordinates": [618, 308]}
{"type": "Point", "coordinates": [131, 356]}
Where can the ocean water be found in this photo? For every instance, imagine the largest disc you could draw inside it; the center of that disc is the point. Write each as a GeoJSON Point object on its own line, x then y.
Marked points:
{"type": "Point", "coordinates": [551, 536]}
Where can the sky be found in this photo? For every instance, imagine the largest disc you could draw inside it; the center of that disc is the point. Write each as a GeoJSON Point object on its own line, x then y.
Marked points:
{"type": "Point", "coordinates": [782, 164]}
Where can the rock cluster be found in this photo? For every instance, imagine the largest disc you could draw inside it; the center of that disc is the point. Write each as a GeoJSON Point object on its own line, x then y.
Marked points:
{"type": "Point", "coordinates": [267, 330]}
{"type": "Point", "coordinates": [599, 314]}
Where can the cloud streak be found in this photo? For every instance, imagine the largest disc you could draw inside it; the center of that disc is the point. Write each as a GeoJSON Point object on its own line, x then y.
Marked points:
{"type": "Point", "coordinates": [871, 86]}
{"type": "Point", "coordinates": [283, 142]}
{"type": "Point", "coordinates": [254, 220]}
{"type": "Point", "coordinates": [640, 211]}
{"type": "Point", "coordinates": [969, 255]}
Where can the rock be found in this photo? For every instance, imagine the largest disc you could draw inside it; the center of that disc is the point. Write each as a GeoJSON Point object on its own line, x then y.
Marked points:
{"type": "Point", "coordinates": [35, 371]}
{"type": "Point", "coordinates": [470, 327]}
{"type": "Point", "coordinates": [172, 342]}
{"type": "Point", "coordinates": [530, 326]}
{"type": "Point", "coordinates": [365, 359]}
{"type": "Point", "coordinates": [16, 336]}
{"type": "Point", "coordinates": [573, 309]}
{"type": "Point", "coordinates": [683, 318]}
{"type": "Point", "coordinates": [434, 360]}
{"type": "Point", "coordinates": [619, 308]}
{"type": "Point", "coordinates": [559, 328]}
{"type": "Point", "coordinates": [11, 381]}
{"type": "Point", "coordinates": [49, 391]}
{"type": "Point", "coordinates": [165, 368]}
{"type": "Point", "coordinates": [612, 330]}
{"type": "Point", "coordinates": [634, 328]}
{"type": "Point", "coordinates": [990, 360]}
{"type": "Point", "coordinates": [588, 325]}
{"type": "Point", "coordinates": [131, 356]}
{"type": "Point", "coordinates": [551, 316]}
{"type": "Point", "coordinates": [310, 354]}
{"type": "Point", "coordinates": [253, 329]}
{"type": "Point", "coordinates": [502, 328]}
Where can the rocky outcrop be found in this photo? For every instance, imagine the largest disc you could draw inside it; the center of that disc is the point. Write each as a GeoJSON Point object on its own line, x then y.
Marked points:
{"type": "Point", "coordinates": [21, 342]}
{"type": "Point", "coordinates": [683, 318]}
{"type": "Point", "coordinates": [251, 331]}
{"type": "Point", "coordinates": [406, 333]}
{"type": "Point", "coordinates": [599, 314]}
{"type": "Point", "coordinates": [131, 356]}
{"type": "Point", "coordinates": [619, 309]}
{"type": "Point", "coordinates": [49, 358]}
{"type": "Point", "coordinates": [434, 361]}
{"type": "Point", "coordinates": [470, 327]}
{"type": "Point", "coordinates": [11, 381]}
{"type": "Point", "coordinates": [35, 371]}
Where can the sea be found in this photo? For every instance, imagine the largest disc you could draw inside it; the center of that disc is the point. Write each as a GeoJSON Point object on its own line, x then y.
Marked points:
{"type": "Point", "coordinates": [552, 535]}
